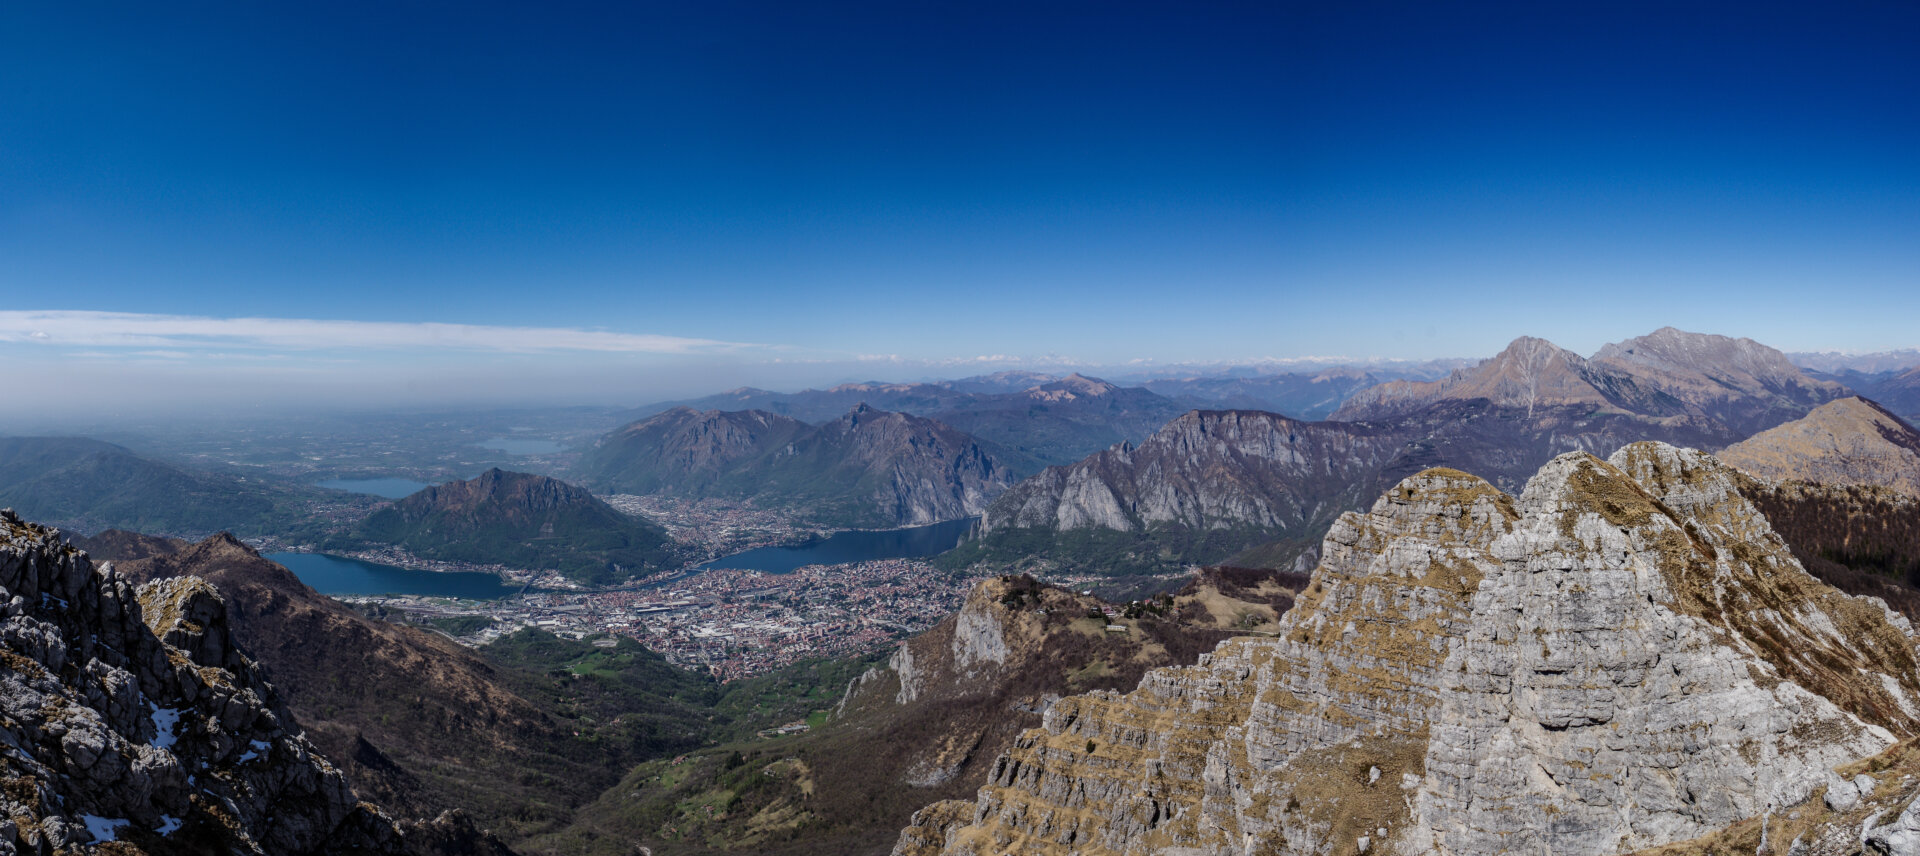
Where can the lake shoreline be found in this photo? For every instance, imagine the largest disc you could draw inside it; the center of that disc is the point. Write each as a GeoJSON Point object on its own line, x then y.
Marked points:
{"type": "Point", "coordinates": [846, 546]}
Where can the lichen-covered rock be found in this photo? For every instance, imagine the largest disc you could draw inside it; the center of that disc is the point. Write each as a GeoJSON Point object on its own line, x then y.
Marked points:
{"type": "Point", "coordinates": [1625, 656]}
{"type": "Point", "coordinates": [109, 733]}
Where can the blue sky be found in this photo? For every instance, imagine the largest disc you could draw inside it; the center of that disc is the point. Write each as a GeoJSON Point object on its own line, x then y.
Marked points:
{"type": "Point", "coordinates": [768, 193]}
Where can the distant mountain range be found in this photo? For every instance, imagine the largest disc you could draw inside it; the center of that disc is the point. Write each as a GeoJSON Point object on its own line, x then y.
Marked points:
{"type": "Point", "coordinates": [1212, 483]}
{"type": "Point", "coordinates": [1302, 396]}
{"type": "Point", "coordinates": [867, 468]}
{"type": "Point", "coordinates": [1030, 419]}
{"type": "Point", "coordinates": [1898, 390]}
{"type": "Point", "coordinates": [1870, 363]}
{"type": "Point", "coordinates": [1729, 388]}
{"type": "Point", "coordinates": [89, 485]}
{"type": "Point", "coordinates": [519, 520]}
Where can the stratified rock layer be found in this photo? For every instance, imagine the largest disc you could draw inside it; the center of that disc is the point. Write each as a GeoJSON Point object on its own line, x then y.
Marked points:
{"type": "Point", "coordinates": [128, 714]}
{"type": "Point", "coordinates": [1625, 656]}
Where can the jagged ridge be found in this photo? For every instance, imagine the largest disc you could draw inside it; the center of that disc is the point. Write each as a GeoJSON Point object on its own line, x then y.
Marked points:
{"type": "Point", "coordinates": [175, 745]}
{"type": "Point", "coordinates": [1623, 657]}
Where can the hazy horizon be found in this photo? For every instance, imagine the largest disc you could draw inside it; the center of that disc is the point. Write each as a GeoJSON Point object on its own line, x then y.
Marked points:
{"type": "Point", "coordinates": [364, 205]}
{"type": "Point", "coordinates": [154, 383]}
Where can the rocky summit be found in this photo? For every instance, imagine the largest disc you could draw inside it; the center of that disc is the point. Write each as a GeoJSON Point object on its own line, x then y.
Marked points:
{"type": "Point", "coordinates": [1623, 656]}
{"type": "Point", "coordinates": [1727, 388]}
{"type": "Point", "coordinates": [127, 715]}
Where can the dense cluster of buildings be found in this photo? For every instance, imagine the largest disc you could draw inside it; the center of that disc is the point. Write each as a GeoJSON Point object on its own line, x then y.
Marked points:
{"type": "Point", "coordinates": [733, 623]}
{"type": "Point", "coordinates": [718, 527]}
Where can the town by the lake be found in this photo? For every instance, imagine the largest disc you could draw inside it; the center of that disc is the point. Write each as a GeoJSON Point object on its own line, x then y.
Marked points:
{"type": "Point", "coordinates": [734, 623]}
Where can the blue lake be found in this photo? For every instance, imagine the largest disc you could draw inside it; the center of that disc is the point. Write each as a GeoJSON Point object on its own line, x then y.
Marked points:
{"type": "Point", "coordinates": [858, 545]}
{"type": "Point", "coordinates": [521, 446]}
{"type": "Point", "coordinates": [389, 488]}
{"type": "Point", "coordinates": [336, 575]}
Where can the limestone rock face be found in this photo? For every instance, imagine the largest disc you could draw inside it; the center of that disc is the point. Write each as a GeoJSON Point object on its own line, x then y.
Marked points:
{"type": "Point", "coordinates": [128, 714]}
{"type": "Point", "coordinates": [1625, 656]}
{"type": "Point", "coordinates": [975, 681]}
{"type": "Point", "coordinates": [1204, 470]}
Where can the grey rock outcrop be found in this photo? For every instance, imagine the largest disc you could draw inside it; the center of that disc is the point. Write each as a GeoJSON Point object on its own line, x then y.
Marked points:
{"type": "Point", "coordinates": [1899, 838]}
{"type": "Point", "coordinates": [1624, 656]}
{"type": "Point", "coordinates": [128, 714]}
{"type": "Point", "coordinates": [1205, 470]}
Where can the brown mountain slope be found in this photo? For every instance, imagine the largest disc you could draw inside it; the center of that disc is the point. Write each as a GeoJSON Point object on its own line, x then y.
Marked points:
{"type": "Point", "coordinates": [128, 714]}
{"type": "Point", "coordinates": [119, 545]}
{"type": "Point", "coordinates": [1529, 373]}
{"type": "Point", "coordinates": [1739, 383]}
{"type": "Point", "coordinates": [925, 725]}
{"type": "Point", "coordinates": [1851, 441]}
{"type": "Point", "coordinates": [1727, 387]}
{"type": "Point", "coordinates": [416, 720]}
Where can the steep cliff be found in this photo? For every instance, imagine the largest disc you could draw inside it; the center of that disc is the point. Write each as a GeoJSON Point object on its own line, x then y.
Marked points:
{"type": "Point", "coordinates": [1624, 656]}
{"type": "Point", "coordinates": [129, 715]}
{"type": "Point", "coordinates": [1209, 483]}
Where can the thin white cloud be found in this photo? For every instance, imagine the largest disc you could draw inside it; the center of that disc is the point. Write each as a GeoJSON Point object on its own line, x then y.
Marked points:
{"type": "Point", "coordinates": [188, 332]}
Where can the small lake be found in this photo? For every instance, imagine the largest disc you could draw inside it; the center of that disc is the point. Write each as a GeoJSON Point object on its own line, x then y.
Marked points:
{"type": "Point", "coordinates": [336, 575]}
{"type": "Point", "coordinates": [521, 446]}
{"type": "Point", "coordinates": [389, 488]}
{"type": "Point", "coordinates": [859, 545]}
